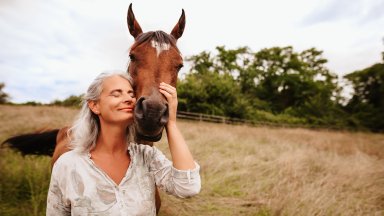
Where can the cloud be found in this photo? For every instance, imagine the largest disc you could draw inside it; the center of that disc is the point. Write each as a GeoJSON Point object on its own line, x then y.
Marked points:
{"type": "Point", "coordinates": [359, 11]}
{"type": "Point", "coordinates": [374, 11]}
{"type": "Point", "coordinates": [47, 43]}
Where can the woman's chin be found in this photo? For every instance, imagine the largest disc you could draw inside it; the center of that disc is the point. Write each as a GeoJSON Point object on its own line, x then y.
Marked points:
{"type": "Point", "coordinates": [124, 121]}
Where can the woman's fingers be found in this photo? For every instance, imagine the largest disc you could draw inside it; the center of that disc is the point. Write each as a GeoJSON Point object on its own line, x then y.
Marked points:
{"type": "Point", "coordinates": [168, 90]}
{"type": "Point", "coordinates": [165, 93]}
{"type": "Point", "coordinates": [171, 94]}
{"type": "Point", "coordinates": [167, 86]}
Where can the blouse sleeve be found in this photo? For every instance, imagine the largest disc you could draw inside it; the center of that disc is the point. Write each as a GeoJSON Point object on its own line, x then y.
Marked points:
{"type": "Point", "coordinates": [180, 183]}
{"type": "Point", "coordinates": [56, 205]}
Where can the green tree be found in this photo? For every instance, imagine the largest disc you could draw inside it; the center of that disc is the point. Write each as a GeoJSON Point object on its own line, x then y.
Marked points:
{"type": "Point", "coordinates": [71, 101]}
{"type": "Point", "coordinates": [211, 88]}
{"type": "Point", "coordinates": [286, 79]}
{"type": "Point", "coordinates": [240, 83]}
{"type": "Point", "coordinates": [210, 92]}
{"type": "Point", "coordinates": [4, 97]}
{"type": "Point", "coordinates": [367, 102]}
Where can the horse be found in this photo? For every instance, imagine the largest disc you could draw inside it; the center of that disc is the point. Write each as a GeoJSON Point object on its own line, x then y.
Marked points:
{"type": "Point", "coordinates": [154, 58]}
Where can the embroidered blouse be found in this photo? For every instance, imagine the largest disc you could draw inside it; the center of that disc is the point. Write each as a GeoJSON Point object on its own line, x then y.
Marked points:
{"type": "Point", "coordinates": [79, 187]}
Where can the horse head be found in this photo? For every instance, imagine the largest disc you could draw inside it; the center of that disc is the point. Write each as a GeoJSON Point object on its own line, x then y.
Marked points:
{"type": "Point", "coordinates": [154, 58]}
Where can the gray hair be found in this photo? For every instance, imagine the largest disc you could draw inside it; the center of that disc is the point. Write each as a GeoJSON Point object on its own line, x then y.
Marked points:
{"type": "Point", "coordinates": [85, 130]}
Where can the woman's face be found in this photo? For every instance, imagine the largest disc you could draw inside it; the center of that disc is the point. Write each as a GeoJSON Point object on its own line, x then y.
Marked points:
{"type": "Point", "coordinates": [116, 103]}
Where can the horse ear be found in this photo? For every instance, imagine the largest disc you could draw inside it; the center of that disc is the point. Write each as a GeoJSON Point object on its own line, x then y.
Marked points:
{"type": "Point", "coordinates": [178, 30]}
{"type": "Point", "coordinates": [133, 25]}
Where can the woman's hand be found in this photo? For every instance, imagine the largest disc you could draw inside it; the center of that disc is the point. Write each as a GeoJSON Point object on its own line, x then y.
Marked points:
{"type": "Point", "coordinates": [171, 94]}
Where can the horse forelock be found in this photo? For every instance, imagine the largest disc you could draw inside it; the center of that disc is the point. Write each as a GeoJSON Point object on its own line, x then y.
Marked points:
{"type": "Point", "coordinates": [158, 39]}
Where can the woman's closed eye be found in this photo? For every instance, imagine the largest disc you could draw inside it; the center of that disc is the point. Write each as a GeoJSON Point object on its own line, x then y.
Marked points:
{"type": "Point", "coordinates": [116, 93]}
{"type": "Point", "coordinates": [132, 94]}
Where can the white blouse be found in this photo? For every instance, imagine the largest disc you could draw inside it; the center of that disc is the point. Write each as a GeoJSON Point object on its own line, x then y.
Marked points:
{"type": "Point", "coordinates": [79, 187]}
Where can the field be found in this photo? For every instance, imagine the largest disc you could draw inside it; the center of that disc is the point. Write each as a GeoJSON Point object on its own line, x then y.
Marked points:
{"type": "Point", "coordinates": [245, 170]}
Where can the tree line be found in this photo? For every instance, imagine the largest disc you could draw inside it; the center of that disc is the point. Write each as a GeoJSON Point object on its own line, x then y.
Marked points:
{"type": "Point", "coordinates": [278, 85]}
{"type": "Point", "coordinates": [281, 85]}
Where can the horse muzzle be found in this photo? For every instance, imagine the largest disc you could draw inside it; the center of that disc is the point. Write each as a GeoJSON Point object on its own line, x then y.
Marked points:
{"type": "Point", "coordinates": [150, 119]}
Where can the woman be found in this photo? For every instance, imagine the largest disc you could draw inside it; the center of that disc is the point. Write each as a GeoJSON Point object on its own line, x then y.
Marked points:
{"type": "Point", "coordinates": [106, 173]}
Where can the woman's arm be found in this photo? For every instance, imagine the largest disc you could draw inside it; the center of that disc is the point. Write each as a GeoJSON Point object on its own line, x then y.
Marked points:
{"type": "Point", "coordinates": [181, 178]}
{"type": "Point", "coordinates": [180, 183]}
{"type": "Point", "coordinates": [181, 156]}
{"type": "Point", "coordinates": [55, 205]}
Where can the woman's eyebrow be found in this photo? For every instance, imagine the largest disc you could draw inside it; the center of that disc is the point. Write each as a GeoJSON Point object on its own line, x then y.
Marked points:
{"type": "Point", "coordinates": [121, 91]}
{"type": "Point", "coordinates": [116, 90]}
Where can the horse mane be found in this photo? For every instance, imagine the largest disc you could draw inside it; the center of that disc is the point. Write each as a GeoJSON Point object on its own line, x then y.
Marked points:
{"type": "Point", "coordinates": [157, 36]}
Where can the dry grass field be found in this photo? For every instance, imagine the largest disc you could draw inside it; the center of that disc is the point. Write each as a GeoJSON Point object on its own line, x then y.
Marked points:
{"type": "Point", "coordinates": [245, 170]}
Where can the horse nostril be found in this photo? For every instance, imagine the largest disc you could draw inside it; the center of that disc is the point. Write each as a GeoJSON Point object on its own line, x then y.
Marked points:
{"type": "Point", "coordinates": [139, 109]}
{"type": "Point", "coordinates": [164, 116]}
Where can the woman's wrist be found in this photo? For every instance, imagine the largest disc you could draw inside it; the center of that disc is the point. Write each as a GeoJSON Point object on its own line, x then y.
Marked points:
{"type": "Point", "coordinates": [171, 123]}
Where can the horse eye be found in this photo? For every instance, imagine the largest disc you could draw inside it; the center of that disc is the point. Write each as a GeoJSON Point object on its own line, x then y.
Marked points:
{"type": "Point", "coordinates": [179, 67]}
{"type": "Point", "coordinates": [132, 57]}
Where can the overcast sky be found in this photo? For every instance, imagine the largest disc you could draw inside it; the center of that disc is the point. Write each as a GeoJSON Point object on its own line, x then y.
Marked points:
{"type": "Point", "coordinates": [51, 49]}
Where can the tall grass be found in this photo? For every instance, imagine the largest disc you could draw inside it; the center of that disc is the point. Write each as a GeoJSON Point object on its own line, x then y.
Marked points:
{"type": "Point", "coordinates": [245, 170]}
{"type": "Point", "coordinates": [24, 183]}
{"type": "Point", "coordinates": [24, 180]}
{"type": "Point", "coordinates": [274, 171]}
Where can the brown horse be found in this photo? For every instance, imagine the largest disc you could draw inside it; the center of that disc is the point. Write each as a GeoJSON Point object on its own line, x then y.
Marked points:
{"type": "Point", "coordinates": [154, 58]}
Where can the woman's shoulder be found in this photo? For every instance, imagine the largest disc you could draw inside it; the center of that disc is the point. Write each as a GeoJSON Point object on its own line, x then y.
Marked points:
{"type": "Point", "coordinates": [69, 158]}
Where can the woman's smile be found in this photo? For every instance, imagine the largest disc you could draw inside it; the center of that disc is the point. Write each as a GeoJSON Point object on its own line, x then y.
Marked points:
{"type": "Point", "coordinates": [127, 109]}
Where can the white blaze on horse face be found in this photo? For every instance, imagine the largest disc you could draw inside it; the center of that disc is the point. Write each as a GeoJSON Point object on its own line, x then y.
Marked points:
{"type": "Point", "coordinates": [160, 47]}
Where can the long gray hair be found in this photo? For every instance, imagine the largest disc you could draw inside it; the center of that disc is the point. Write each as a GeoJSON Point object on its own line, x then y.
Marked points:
{"type": "Point", "coordinates": [85, 130]}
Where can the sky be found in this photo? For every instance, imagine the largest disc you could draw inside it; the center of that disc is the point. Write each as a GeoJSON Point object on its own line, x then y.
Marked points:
{"type": "Point", "coordinates": [51, 49]}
